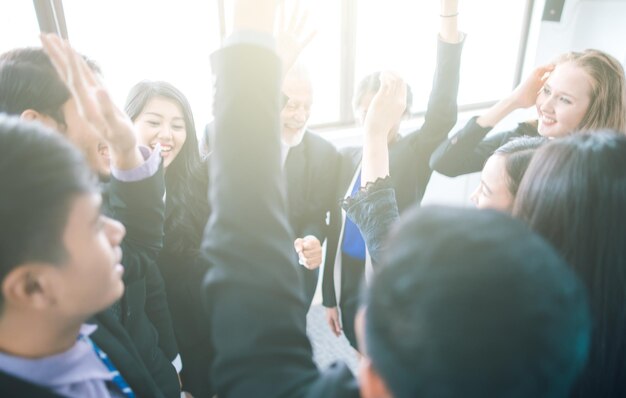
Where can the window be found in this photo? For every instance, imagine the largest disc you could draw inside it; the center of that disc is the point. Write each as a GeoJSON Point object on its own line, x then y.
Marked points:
{"type": "Point", "coordinates": [408, 46]}
{"type": "Point", "coordinates": [163, 40]}
{"type": "Point", "coordinates": [148, 39]}
{"type": "Point", "coordinates": [18, 25]}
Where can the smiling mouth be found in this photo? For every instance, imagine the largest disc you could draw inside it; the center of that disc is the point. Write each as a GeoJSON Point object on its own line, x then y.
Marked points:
{"type": "Point", "coordinates": [165, 148]}
{"type": "Point", "coordinates": [294, 127]}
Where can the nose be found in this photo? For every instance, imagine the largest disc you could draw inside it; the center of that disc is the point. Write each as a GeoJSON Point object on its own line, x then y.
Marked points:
{"type": "Point", "coordinates": [114, 231]}
{"type": "Point", "coordinates": [547, 104]}
{"type": "Point", "coordinates": [165, 132]}
{"type": "Point", "coordinates": [300, 115]}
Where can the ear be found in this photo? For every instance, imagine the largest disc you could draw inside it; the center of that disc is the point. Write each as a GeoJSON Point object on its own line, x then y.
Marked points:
{"type": "Point", "coordinates": [33, 115]}
{"type": "Point", "coordinates": [370, 382]}
{"type": "Point", "coordinates": [29, 286]}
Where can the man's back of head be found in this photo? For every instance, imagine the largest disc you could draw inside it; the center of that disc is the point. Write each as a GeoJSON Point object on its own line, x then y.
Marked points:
{"type": "Point", "coordinates": [471, 303]}
{"type": "Point", "coordinates": [28, 81]}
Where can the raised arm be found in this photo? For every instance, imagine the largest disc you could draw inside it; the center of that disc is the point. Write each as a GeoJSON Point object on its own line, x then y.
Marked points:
{"type": "Point", "coordinates": [252, 289]}
{"type": "Point", "coordinates": [467, 151]}
{"type": "Point", "coordinates": [374, 208]}
{"type": "Point", "coordinates": [442, 110]}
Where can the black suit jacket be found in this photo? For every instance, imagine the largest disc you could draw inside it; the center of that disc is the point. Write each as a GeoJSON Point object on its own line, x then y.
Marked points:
{"type": "Point", "coordinates": [11, 386]}
{"type": "Point", "coordinates": [409, 156]}
{"type": "Point", "coordinates": [311, 171]}
{"type": "Point", "coordinates": [112, 339]}
{"type": "Point", "coordinates": [143, 311]}
{"type": "Point", "coordinates": [257, 314]}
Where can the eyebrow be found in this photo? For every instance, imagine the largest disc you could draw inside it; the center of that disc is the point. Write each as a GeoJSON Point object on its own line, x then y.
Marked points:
{"type": "Point", "coordinates": [161, 116]}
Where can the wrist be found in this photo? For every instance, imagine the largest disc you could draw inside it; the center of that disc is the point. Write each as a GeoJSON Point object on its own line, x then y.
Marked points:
{"type": "Point", "coordinates": [126, 159]}
{"type": "Point", "coordinates": [449, 7]}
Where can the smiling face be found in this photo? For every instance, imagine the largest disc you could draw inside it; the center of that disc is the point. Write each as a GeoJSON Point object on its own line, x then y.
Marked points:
{"type": "Point", "coordinates": [564, 100]}
{"type": "Point", "coordinates": [493, 192]}
{"type": "Point", "coordinates": [161, 121]}
{"type": "Point", "coordinates": [296, 112]}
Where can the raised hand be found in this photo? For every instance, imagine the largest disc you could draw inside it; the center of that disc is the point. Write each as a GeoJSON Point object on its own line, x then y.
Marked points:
{"type": "Point", "coordinates": [98, 115]}
{"type": "Point", "coordinates": [290, 36]}
{"type": "Point", "coordinates": [384, 113]}
{"type": "Point", "coordinates": [309, 251]}
{"type": "Point", "coordinates": [387, 106]}
{"type": "Point", "coordinates": [256, 15]}
{"type": "Point", "coordinates": [448, 13]}
{"type": "Point", "coordinates": [525, 95]}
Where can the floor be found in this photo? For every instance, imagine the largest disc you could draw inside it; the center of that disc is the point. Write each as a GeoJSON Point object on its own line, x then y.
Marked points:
{"type": "Point", "coordinates": [327, 348]}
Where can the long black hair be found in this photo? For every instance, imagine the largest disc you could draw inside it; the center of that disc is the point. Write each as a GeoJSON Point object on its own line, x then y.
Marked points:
{"type": "Point", "coordinates": [574, 194]}
{"type": "Point", "coordinates": [517, 155]}
{"type": "Point", "coordinates": [186, 179]}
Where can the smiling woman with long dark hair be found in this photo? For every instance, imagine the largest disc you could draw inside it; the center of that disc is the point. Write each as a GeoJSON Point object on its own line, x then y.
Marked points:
{"type": "Point", "coordinates": [163, 117]}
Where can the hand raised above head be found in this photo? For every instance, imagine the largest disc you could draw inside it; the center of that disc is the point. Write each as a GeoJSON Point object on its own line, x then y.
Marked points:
{"type": "Point", "coordinates": [387, 106]}
{"type": "Point", "coordinates": [96, 110]}
{"type": "Point", "coordinates": [254, 15]}
{"type": "Point", "coordinates": [525, 95]}
{"type": "Point", "coordinates": [290, 36]}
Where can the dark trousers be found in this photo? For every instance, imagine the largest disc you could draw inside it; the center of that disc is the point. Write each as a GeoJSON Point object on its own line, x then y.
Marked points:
{"type": "Point", "coordinates": [352, 274]}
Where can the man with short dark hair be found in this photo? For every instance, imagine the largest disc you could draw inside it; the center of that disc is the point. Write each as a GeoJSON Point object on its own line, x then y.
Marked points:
{"type": "Point", "coordinates": [133, 190]}
{"type": "Point", "coordinates": [59, 265]}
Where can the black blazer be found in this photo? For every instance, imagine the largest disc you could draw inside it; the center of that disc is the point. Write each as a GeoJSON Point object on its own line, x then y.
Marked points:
{"type": "Point", "coordinates": [113, 339]}
{"type": "Point", "coordinates": [257, 312]}
{"type": "Point", "coordinates": [311, 171]}
{"type": "Point", "coordinates": [143, 310]}
{"type": "Point", "coordinates": [468, 150]}
{"type": "Point", "coordinates": [408, 156]}
{"type": "Point", "coordinates": [11, 386]}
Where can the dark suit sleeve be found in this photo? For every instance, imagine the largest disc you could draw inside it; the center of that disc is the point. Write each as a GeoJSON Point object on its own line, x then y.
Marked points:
{"type": "Point", "coordinates": [468, 150]}
{"type": "Point", "coordinates": [441, 113]}
{"type": "Point", "coordinates": [374, 211]}
{"type": "Point", "coordinates": [329, 297]}
{"type": "Point", "coordinates": [139, 206]}
{"type": "Point", "coordinates": [252, 289]}
{"type": "Point", "coordinates": [322, 187]}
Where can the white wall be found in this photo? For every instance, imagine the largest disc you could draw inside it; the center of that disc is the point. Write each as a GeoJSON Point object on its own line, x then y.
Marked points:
{"type": "Point", "coordinates": [599, 24]}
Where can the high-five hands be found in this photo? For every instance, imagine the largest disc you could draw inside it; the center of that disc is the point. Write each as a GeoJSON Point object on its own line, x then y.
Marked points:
{"type": "Point", "coordinates": [98, 115]}
{"type": "Point", "coordinates": [290, 36]}
{"type": "Point", "coordinates": [387, 106]}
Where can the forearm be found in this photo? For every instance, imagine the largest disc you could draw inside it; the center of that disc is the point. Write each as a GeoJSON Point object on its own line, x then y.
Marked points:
{"type": "Point", "coordinates": [448, 23]}
{"type": "Point", "coordinates": [126, 159]}
{"type": "Point", "coordinates": [139, 206]}
{"type": "Point", "coordinates": [497, 112]}
{"type": "Point", "coordinates": [374, 210]}
{"type": "Point", "coordinates": [375, 162]}
{"type": "Point", "coordinates": [442, 111]}
{"type": "Point", "coordinates": [458, 154]}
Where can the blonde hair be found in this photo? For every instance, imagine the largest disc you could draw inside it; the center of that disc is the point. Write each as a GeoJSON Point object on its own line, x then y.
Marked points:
{"type": "Point", "coordinates": [607, 109]}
